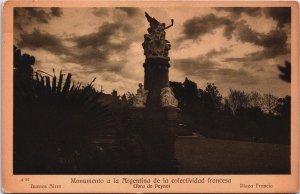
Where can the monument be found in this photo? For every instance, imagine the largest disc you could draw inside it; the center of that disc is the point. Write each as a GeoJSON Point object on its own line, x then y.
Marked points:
{"type": "Point", "coordinates": [156, 66]}
{"type": "Point", "coordinates": [155, 113]}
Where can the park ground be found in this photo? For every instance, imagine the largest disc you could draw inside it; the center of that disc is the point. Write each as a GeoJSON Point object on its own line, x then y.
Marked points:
{"type": "Point", "coordinates": [215, 156]}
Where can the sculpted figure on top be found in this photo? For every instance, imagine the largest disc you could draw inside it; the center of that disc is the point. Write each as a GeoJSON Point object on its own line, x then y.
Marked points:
{"type": "Point", "coordinates": [155, 43]}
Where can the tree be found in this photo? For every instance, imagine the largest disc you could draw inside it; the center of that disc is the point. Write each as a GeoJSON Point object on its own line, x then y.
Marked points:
{"type": "Point", "coordinates": [269, 103]}
{"type": "Point", "coordinates": [114, 94]}
{"type": "Point", "coordinates": [186, 93]}
{"type": "Point", "coordinates": [129, 97]}
{"type": "Point", "coordinates": [22, 64]}
{"type": "Point", "coordinates": [283, 110]}
{"type": "Point", "coordinates": [211, 98]}
{"type": "Point", "coordinates": [58, 123]}
{"type": "Point", "coordinates": [283, 107]}
{"type": "Point", "coordinates": [238, 99]}
{"type": "Point", "coordinates": [190, 90]}
{"type": "Point", "coordinates": [285, 71]}
{"type": "Point", "coordinates": [123, 98]}
{"type": "Point", "coordinates": [255, 99]}
{"type": "Point", "coordinates": [178, 89]}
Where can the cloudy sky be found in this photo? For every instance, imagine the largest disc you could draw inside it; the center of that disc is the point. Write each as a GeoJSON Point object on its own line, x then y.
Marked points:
{"type": "Point", "coordinates": [236, 48]}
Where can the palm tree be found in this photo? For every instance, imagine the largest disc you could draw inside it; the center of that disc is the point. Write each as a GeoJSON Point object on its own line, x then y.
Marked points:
{"type": "Point", "coordinates": [59, 126]}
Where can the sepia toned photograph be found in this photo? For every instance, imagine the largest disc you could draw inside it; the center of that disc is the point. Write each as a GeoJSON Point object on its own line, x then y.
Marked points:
{"type": "Point", "coordinates": [150, 97]}
{"type": "Point", "coordinates": [151, 90]}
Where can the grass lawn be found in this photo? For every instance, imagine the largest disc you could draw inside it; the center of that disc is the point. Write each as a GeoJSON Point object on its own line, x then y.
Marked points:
{"type": "Point", "coordinates": [213, 156]}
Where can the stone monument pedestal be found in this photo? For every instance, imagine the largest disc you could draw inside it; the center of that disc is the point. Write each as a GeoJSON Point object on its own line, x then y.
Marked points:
{"type": "Point", "coordinates": [153, 126]}
{"type": "Point", "coordinates": [156, 77]}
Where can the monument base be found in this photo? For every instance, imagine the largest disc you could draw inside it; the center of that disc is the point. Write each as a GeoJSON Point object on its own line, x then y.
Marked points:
{"type": "Point", "coordinates": [152, 126]}
{"type": "Point", "coordinates": [158, 129]}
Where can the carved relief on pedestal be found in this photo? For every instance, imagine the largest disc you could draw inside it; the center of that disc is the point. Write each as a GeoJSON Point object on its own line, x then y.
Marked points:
{"type": "Point", "coordinates": [167, 98]}
{"type": "Point", "coordinates": [140, 98]}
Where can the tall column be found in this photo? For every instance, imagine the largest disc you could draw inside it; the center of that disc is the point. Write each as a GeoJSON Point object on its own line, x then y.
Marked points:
{"type": "Point", "coordinates": [156, 77]}
{"type": "Point", "coordinates": [156, 66]}
{"type": "Point", "coordinates": [156, 134]}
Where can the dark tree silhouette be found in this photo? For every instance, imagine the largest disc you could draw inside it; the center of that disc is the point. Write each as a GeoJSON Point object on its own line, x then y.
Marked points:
{"type": "Point", "coordinates": [114, 93]}
{"type": "Point", "coordinates": [211, 98]}
{"type": "Point", "coordinates": [190, 90]}
{"type": "Point", "coordinates": [285, 71]}
{"type": "Point", "coordinates": [238, 99]}
{"type": "Point", "coordinates": [243, 116]}
{"type": "Point", "coordinates": [123, 98]}
{"type": "Point", "coordinates": [284, 106]}
{"type": "Point", "coordinates": [269, 103]}
{"type": "Point", "coordinates": [178, 89]}
{"type": "Point", "coordinates": [58, 125]}
{"type": "Point", "coordinates": [22, 65]}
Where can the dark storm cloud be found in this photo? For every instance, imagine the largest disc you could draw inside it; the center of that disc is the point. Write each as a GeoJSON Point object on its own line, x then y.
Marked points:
{"type": "Point", "coordinates": [266, 53]}
{"type": "Point", "coordinates": [199, 66]}
{"type": "Point", "coordinates": [237, 11]}
{"type": "Point", "coordinates": [199, 26]}
{"type": "Point", "coordinates": [204, 68]}
{"type": "Point", "coordinates": [24, 16]}
{"type": "Point", "coordinates": [94, 49]}
{"type": "Point", "coordinates": [228, 30]}
{"type": "Point", "coordinates": [97, 50]}
{"type": "Point", "coordinates": [281, 14]}
{"type": "Point", "coordinates": [40, 15]}
{"type": "Point", "coordinates": [274, 43]}
{"type": "Point", "coordinates": [274, 39]}
{"type": "Point", "coordinates": [87, 56]}
{"type": "Point", "coordinates": [202, 65]}
{"type": "Point", "coordinates": [44, 40]}
{"type": "Point", "coordinates": [102, 49]}
{"type": "Point", "coordinates": [235, 76]}
{"type": "Point", "coordinates": [102, 37]}
{"type": "Point", "coordinates": [131, 11]}
{"type": "Point", "coordinates": [56, 12]}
